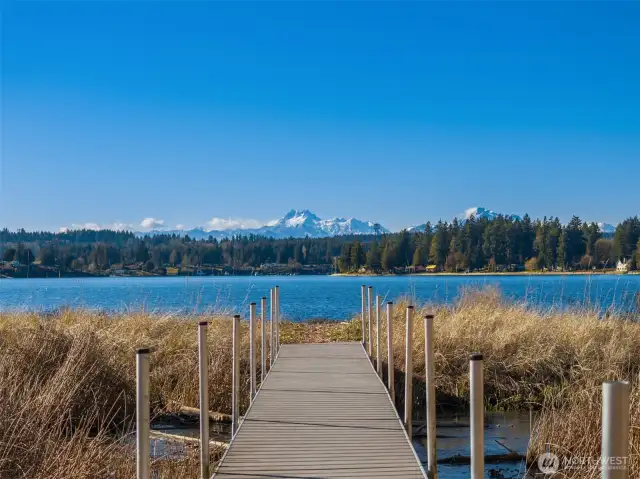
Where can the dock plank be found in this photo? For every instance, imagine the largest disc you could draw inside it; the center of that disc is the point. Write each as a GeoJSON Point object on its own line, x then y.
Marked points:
{"type": "Point", "coordinates": [322, 413]}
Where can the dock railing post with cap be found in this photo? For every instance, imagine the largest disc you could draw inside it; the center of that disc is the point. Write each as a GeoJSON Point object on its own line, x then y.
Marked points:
{"type": "Point", "coordinates": [408, 378]}
{"type": "Point", "coordinates": [277, 295]}
{"type": "Point", "coordinates": [370, 302]}
{"type": "Point", "coordinates": [477, 415]}
{"type": "Point", "coordinates": [203, 362]}
{"type": "Point", "coordinates": [615, 430]}
{"type": "Point", "coordinates": [252, 351]}
{"type": "Point", "coordinates": [362, 314]}
{"type": "Point", "coordinates": [432, 468]}
{"type": "Point", "coordinates": [378, 354]}
{"type": "Point", "coordinates": [390, 361]}
{"type": "Point", "coordinates": [235, 376]}
{"type": "Point", "coordinates": [142, 414]}
{"type": "Point", "coordinates": [263, 338]}
{"type": "Point", "coordinates": [272, 316]}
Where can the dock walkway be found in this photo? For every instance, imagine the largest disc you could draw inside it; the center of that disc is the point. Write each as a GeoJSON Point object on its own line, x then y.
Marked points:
{"type": "Point", "coordinates": [321, 413]}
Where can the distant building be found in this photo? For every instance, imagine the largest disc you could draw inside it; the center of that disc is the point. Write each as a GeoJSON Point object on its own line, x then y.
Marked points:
{"type": "Point", "coordinates": [623, 266]}
{"type": "Point", "coordinates": [432, 268]}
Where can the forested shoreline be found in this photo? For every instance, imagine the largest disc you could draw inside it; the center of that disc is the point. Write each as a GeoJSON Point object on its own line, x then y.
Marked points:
{"type": "Point", "coordinates": [497, 245]}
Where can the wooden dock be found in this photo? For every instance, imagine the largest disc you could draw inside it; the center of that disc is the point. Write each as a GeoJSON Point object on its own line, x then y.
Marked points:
{"type": "Point", "coordinates": [321, 413]}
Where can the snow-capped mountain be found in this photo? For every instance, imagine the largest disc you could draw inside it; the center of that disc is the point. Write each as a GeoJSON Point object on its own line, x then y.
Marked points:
{"type": "Point", "coordinates": [305, 223]}
{"type": "Point", "coordinates": [296, 224]}
{"type": "Point", "coordinates": [417, 228]}
{"type": "Point", "coordinates": [607, 228]}
{"type": "Point", "coordinates": [479, 212]}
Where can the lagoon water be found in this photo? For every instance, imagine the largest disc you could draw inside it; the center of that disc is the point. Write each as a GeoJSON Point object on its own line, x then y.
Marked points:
{"type": "Point", "coordinates": [307, 297]}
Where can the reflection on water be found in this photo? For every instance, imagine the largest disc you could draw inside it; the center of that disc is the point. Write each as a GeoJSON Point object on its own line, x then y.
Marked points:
{"type": "Point", "coordinates": [452, 432]}
{"type": "Point", "coordinates": [509, 428]}
{"type": "Point", "coordinates": [170, 449]}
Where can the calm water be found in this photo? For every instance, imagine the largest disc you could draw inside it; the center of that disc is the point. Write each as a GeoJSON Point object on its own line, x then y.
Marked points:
{"type": "Point", "coordinates": [305, 297]}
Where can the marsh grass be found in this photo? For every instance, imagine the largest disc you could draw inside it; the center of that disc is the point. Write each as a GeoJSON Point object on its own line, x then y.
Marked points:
{"type": "Point", "coordinates": [67, 380]}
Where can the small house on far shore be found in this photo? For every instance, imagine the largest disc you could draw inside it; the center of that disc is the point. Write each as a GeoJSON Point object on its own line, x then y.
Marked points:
{"type": "Point", "coordinates": [623, 266]}
{"type": "Point", "coordinates": [432, 268]}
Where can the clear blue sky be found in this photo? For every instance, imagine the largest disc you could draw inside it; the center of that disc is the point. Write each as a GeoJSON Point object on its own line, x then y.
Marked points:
{"type": "Point", "coordinates": [393, 112]}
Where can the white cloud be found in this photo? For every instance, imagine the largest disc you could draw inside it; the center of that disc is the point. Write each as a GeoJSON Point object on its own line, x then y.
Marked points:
{"type": "Point", "coordinates": [152, 223]}
{"type": "Point", "coordinates": [180, 227]}
{"type": "Point", "coordinates": [96, 227]}
{"type": "Point", "coordinates": [84, 226]}
{"type": "Point", "coordinates": [120, 227]}
{"type": "Point", "coordinates": [233, 223]}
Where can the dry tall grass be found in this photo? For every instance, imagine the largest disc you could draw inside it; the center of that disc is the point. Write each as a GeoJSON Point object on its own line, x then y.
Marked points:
{"type": "Point", "coordinates": [67, 387]}
{"type": "Point", "coordinates": [554, 361]}
{"type": "Point", "coordinates": [530, 356]}
{"type": "Point", "coordinates": [67, 380]}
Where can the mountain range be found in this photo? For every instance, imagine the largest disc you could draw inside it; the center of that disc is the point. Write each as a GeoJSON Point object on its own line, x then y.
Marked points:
{"type": "Point", "coordinates": [304, 223]}
{"type": "Point", "coordinates": [478, 212]}
{"type": "Point", "coordinates": [296, 224]}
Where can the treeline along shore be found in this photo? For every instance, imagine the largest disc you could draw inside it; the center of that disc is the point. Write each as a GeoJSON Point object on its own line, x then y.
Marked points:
{"type": "Point", "coordinates": [69, 378]}
{"type": "Point", "coordinates": [503, 244]}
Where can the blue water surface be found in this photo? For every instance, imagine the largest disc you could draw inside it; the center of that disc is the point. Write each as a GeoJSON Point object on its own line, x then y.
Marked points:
{"type": "Point", "coordinates": [307, 297]}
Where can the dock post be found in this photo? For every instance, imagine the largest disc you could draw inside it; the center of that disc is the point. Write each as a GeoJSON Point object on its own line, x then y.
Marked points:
{"type": "Point", "coordinates": [369, 338]}
{"type": "Point", "coordinates": [432, 468]}
{"type": "Point", "coordinates": [235, 376]}
{"type": "Point", "coordinates": [203, 360]}
{"type": "Point", "coordinates": [252, 351]}
{"type": "Point", "coordinates": [408, 377]}
{"type": "Point", "coordinates": [390, 358]}
{"type": "Point", "coordinates": [615, 430]}
{"type": "Point", "coordinates": [277, 296]}
{"type": "Point", "coordinates": [142, 413]}
{"type": "Point", "coordinates": [477, 415]}
{"type": "Point", "coordinates": [263, 338]}
{"type": "Point", "coordinates": [364, 307]}
{"type": "Point", "coordinates": [272, 316]}
{"type": "Point", "coordinates": [378, 354]}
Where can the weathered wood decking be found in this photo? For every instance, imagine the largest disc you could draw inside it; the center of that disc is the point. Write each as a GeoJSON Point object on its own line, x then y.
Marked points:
{"type": "Point", "coordinates": [321, 413]}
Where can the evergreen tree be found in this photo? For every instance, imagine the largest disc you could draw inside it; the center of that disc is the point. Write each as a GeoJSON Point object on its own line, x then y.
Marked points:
{"type": "Point", "coordinates": [561, 258]}
{"type": "Point", "coordinates": [419, 256]}
{"type": "Point", "coordinates": [575, 241]}
{"type": "Point", "coordinates": [591, 233]}
{"type": "Point", "coordinates": [527, 238]}
{"type": "Point", "coordinates": [373, 257]}
{"type": "Point", "coordinates": [142, 254]}
{"type": "Point", "coordinates": [625, 238]}
{"type": "Point", "coordinates": [404, 253]}
{"type": "Point", "coordinates": [388, 259]}
{"type": "Point", "coordinates": [357, 256]}
{"type": "Point", "coordinates": [540, 244]}
{"type": "Point", "coordinates": [344, 261]}
{"type": "Point", "coordinates": [438, 249]}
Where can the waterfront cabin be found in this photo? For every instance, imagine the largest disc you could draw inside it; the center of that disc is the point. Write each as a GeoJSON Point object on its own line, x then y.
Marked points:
{"type": "Point", "coordinates": [623, 266]}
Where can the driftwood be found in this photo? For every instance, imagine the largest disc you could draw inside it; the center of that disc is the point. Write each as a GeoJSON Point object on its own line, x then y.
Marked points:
{"type": "Point", "coordinates": [185, 415]}
{"type": "Point", "coordinates": [488, 459]}
{"type": "Point", "coordinates": [213, 416]}
{"type": "Point", "coordinates": [192, 441]}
